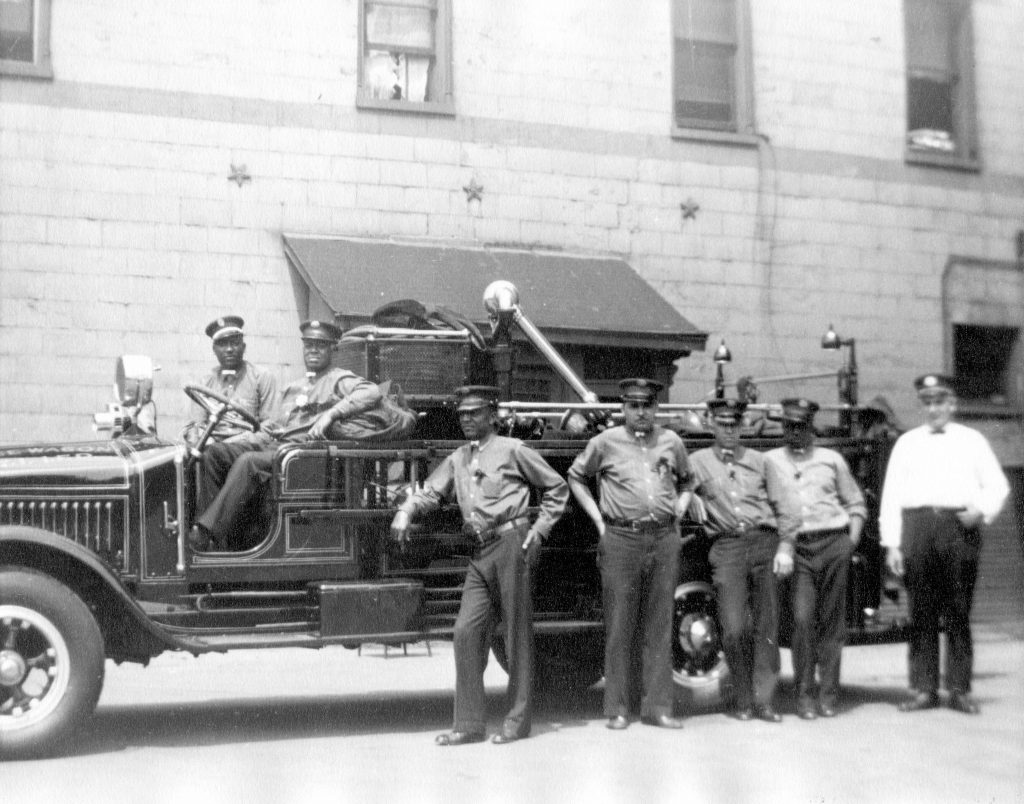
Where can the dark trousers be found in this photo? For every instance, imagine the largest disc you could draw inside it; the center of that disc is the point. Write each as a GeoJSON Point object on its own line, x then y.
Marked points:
{"type": "Point", "coordinates": [216, 461]}
{"type": "Point", "coordinates": [941, 567]}
{"type": "Point", "coordinates": [819, 613]}
{"type": "Point", "coordinates": [748, 608]}
{"type": "Point", "coordinates": [499, 579]}
{"type": "Point", "coordinates": [639, 572]}
{"type": "Point", "coordinates": [243, 484]}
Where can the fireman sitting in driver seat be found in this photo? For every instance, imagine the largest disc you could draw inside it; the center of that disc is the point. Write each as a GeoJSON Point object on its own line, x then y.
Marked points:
{"type": "Point", "coordinates": [252, 388]}
{"type": "Point", "coordinates": [327, 403]}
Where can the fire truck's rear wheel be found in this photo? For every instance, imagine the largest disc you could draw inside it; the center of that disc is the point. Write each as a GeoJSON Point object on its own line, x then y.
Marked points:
{"type": "Point", "coordinates": [51, 663]}
{"type": "Point", "coordinates": [699, 670]}
{"type": "Point", "coordinates": [565, 663]}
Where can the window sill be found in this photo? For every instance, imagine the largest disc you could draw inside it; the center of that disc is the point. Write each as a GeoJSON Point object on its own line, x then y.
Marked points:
{"type": "Point", "coordinates": [444, 109]}
{"type": "Point", "coordinates": [24, 69]}
{"type": "Point", "coordinates": [715, 136]}
{"type": "Point", "coordinates": [941, 160]}
{"type": "Point", "coordinates": [980, 409]}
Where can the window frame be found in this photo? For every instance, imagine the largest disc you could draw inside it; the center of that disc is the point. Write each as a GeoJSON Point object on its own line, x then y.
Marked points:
{"type": "Point", "coordinates": [40, 66]}
{"type": "Point", "coordinates": [742, 131]}
{"type": "Point", "coordinates": [965, 120]}
{"type": "Point", "coordinates": [442, 63]}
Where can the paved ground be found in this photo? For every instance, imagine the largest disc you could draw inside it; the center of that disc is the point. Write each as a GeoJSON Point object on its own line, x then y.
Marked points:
{"type": "Point", "coordinates": [311, 726]}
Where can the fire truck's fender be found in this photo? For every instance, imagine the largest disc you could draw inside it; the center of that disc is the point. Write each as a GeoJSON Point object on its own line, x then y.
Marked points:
{"type": "Point", "coordinates": [128, 633]}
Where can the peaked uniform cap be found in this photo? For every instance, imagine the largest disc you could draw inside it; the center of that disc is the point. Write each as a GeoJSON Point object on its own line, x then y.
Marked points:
{"type": "Point", "coordinates": [473, 397]}
{"type": "Point", "coordinates": [225, 327]}
{"type": "Point", "coordinates": [731, 410]}
{"type": "Point", "coordinates": [315, 330]}
{"type": "Point", "coordinates": [928, 384]}
{"type": "Point", "coordinates": [799, 410]}
{"type": "Point", "coordinates": [640, 389]}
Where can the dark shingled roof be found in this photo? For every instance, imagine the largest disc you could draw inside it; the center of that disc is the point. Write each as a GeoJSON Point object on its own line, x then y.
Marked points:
{"type": "Point", "coordinates": [573, 299]}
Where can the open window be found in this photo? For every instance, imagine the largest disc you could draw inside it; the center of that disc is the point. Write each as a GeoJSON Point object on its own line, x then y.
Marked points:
{"type": "Point", "coordinates": [25, 38]}
{"type": "Point", "coordinates": [405, 56]}
{"type": "Point", "coordinates": [941, 127]}
{"type": "Point", "coordinates": [711, 69]}
{"type": "Point", "coordinates": [983, 362]}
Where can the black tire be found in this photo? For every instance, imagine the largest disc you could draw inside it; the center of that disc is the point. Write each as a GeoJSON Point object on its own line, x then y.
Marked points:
{"type": "Point", "coordinates": [699, 670]}
{"type": "Point", "coordinates": [568, 663]}
{"type": "Point", "coordinates": [565, 663]}
{"type": "Point", "coordinates": [51, 663]}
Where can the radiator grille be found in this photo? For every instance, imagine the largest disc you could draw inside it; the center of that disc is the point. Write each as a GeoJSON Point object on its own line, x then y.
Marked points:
{"type": "Point", "coordinates": [98, 525]}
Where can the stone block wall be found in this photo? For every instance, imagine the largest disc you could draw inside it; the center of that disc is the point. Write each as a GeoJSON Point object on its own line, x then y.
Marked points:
{"type": "Point", "coordinates": [121, 232]}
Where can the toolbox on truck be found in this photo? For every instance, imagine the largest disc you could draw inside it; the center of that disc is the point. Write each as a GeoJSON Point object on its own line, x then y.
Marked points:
{"type": "Point", "coordinates": [370, 609]}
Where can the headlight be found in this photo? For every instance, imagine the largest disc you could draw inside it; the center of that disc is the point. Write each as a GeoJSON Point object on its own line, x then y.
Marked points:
{"type": "Point", "coordinates": [134, 385]}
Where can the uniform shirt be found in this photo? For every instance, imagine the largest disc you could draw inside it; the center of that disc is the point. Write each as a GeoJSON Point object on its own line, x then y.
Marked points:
{"type": "Point", "coordinates": [953, 468]}
{"type": "Point", "coordinates": [743, 493]}
{"type": "Point", "coordinates": [491, 481]}
{"type": "Point", "coordinates": [638, 477]}
{"type": "Point", "coordinates": [305, 400]}
{"type": "Point", "coordinates": [251, 388]}
{"type": "Point", "coordinates": [822, 484]}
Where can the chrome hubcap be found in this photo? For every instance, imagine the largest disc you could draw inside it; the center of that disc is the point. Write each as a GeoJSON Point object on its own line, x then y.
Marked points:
{"type": "Point", "coordinates": [12, 668]}
{"type": "Point", "coordinates": [35, 667]}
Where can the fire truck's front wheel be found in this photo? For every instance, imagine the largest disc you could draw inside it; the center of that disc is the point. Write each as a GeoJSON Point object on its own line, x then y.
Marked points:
{"type": "Point", "coordinates": [699, 670]}
{"type": "Point", "coordinates": [51, 663]}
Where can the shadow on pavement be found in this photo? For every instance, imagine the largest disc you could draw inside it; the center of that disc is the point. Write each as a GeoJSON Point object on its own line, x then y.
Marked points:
{"type": "Point", "coordinates": [225, 721]}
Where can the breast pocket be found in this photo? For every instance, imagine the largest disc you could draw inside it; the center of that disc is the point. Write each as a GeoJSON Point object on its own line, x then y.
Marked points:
{"type": "Point", "coordinates": [490, 487]}
{"type": "Point", "coordinates": [246, 402]}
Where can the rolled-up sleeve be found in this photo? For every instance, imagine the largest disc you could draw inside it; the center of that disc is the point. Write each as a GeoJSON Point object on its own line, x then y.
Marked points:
{"type": "Point", "coordinates": [357, 395]}
{"type": "Point", "coordinates": [437, 488]}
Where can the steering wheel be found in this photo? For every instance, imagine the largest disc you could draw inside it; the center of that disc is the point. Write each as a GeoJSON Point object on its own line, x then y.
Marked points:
{"type": "Point", "coordinates": [220, 408]}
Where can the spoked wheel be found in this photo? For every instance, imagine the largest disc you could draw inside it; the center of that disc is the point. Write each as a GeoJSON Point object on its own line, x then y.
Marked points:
{"type": "Point", "coordinates": [698, 662]}
{"type": "Point", "coordinates": [51, 663]}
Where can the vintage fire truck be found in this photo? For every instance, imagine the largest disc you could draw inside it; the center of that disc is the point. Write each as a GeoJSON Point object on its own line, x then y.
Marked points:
{"type": "Point", "coordinates": [95, 563]}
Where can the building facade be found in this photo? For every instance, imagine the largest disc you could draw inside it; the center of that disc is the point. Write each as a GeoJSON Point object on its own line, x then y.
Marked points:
{"type": "Point", "coordinates": [768, 168]}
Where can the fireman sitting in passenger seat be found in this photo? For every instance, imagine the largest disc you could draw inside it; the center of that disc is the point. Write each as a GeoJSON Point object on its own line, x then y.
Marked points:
{"type": "Point", "coordinates": [327, 403]}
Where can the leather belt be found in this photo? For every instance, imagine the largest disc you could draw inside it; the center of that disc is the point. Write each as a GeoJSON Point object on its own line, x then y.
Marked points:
{"type": "Point", "coordinates": [492, 534]}
{"type": "Point", "coordinates": [749, 527]}
{"type": "Point", "coordinates": [811, 535]}
{"type": "Point", "coordinates": [937, 509]}
{"type": "Point", "coordinates": [637, 525]}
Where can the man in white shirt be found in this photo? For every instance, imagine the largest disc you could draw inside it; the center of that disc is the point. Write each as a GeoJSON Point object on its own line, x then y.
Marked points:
{"type": "Point", "coordinates": [942, 484]}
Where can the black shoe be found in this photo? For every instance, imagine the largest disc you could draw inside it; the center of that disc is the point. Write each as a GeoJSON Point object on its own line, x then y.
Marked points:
{"type": "Point", "coordinates": [806, 712]}
{"type": "Point", "coordinates": [743, 713]}
{"type": "Point", "coordinates": [663, 721]}
{"type": "Point", "coordinates": [501, 738]}
{"type": "Point", "coordinates": [617, 723]}
{"type": "Point", "coordinates": [826, 710]}
{"type": "Point", "coordinates": [923, 700]}
{"type": "Point", "coordinates": [961, 702]}
{"type": "Point", "coordinates": [766, 713]}
{"type": "Point", "coordinates": [460, 738]}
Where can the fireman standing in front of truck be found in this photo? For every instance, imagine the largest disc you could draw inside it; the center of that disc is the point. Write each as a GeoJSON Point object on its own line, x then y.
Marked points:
{"type": "Point", "coordinates": [491, 478]}
{"type": "Point", "coordinates": [642, 473]}
{"type": "Point", "coordinates": [753, 521]}
{"type": "Point", "coordinates": [832, 514]}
